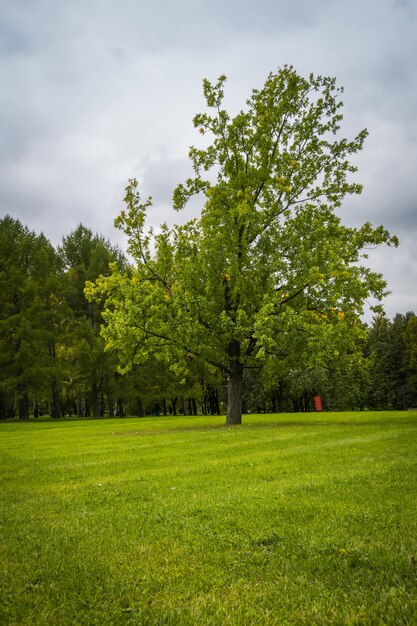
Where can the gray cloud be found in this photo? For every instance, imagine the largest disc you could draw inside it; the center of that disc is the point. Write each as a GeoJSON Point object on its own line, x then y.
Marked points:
{"type": "Point", "coordinates": [96, 92]}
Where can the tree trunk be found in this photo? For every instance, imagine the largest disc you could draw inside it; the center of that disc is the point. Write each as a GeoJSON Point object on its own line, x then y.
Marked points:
{"type": "Point", "coordinates": [24, 407]}
{"type": "Point", "coordinates": [139, 407]}
{"type": "Point", "coordinates": [111, 404]}
{"type": "Point", "coordinates": [3, 413]}
{"type": "Point", "coordinates": [216, 402]}
{"type": "Point", "coordinates": [234, 395]}
{"type": "Point", "coordinates": [56, 408]}
{"type": "Point", "coordinates": [280, 396]}
{"type": "Point", "coordinates": [234, 385]}
{"type": "Point", "coordinates": [211, 405]}
{"type": "Point", "coordinates": [11, 410]}
{"type": "Point", "coordinates": [273, 400]}
{"type": "Point", "coordinates": [95, 400]}
{"type": "Point", "coordinates": [121, 408]}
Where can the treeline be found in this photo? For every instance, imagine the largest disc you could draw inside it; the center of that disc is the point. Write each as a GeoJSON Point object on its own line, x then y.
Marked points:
{"type": "Point", "coordinates": [53, 359]}
{"type": "Point", "coordinates": [385, 377]}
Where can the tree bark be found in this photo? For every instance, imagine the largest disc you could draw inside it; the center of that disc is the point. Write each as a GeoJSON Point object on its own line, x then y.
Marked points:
{"type": "Point", "coordinates": [280, 396]}
{"type": "Point", "coordinates": [234, 385]}
{"type": "Point", "coordinates": [102, 405]}
{"type": "Point", "coordinates": [110, 403]}
{"type": "Point", "coordinates": [121, 408]}
{"type": "Point", "coordinates": [3, 413]}
{"type": "Point", "coordinates": [95, 399]}
{"type": "Point", "coordinates": [184, 406]}
{"type": "Point", "coordinates": [56, 408]}
{"type": "Point", "coordinates": [24, 407]}
{"type": "Point", "coordinates": [234, 395]}
{"type": "Point", "coordinates": [139, 407]}
{"type": "Point", "coordinates": [273, 400]}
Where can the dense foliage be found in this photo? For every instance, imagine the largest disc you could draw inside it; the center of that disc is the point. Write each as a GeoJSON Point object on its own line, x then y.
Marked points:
{"type": "Point", "coordinates": [53, 361]}
{"type": "Point", "coordinates": [255, 305]}
{"type": "Point", "coordinates": [268, 276]}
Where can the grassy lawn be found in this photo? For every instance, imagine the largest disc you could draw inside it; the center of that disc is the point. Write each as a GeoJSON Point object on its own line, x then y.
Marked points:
{"type": "Point", "coordinates": [288, 519]}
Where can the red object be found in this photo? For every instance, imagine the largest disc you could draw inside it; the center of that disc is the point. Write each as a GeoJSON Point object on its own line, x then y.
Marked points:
{"type": "Point", "coordinates": [317, 403]}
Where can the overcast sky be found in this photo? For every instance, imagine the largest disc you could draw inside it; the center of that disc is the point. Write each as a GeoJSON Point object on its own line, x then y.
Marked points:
{"type": "Point", "coordinates": [94, 92]}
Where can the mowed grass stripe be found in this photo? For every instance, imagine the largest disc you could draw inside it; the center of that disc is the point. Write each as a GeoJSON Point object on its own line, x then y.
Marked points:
{"type": "Point", "coordinates": [284, 520]}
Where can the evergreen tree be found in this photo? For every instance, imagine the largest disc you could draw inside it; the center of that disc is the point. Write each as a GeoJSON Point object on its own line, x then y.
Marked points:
{"type": "Point", "coordinates": [86, 256]}
{"type": "Point", "coordinates": [32, 315]}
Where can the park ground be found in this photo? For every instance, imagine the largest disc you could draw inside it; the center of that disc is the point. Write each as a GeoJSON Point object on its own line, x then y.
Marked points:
{"type": "Point", "coordinates": [288, 519]}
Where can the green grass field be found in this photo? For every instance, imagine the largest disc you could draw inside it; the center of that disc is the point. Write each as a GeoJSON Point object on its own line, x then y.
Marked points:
{"type": "Point", "coordinates": [289, 519]}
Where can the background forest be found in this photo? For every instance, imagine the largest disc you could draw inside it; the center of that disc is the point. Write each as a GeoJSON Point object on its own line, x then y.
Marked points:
{"type": "Point", "coordinates": [53, 360]}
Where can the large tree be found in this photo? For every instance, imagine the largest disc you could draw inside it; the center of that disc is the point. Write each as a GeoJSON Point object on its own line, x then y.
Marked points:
{"type": "Point", "coordinates": [85, 256]}
{"type": "Point", "coordinates": [33, 319]}
{"type": "Point", "coordinates": [391, 348]}
{"type": "Point", "coordinates": [268, 265]}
